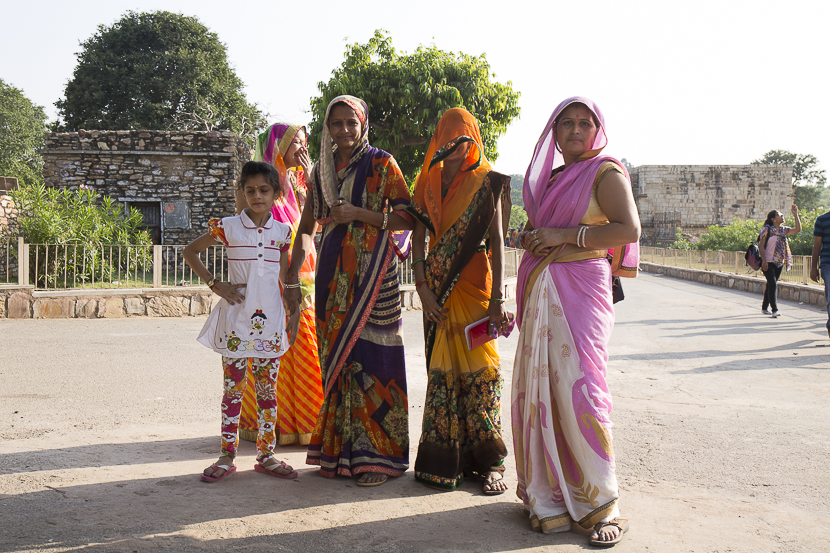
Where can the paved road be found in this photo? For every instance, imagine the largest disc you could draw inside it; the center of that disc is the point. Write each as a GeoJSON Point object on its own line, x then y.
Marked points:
{"type": "Point", "coordinates": [720, 435]}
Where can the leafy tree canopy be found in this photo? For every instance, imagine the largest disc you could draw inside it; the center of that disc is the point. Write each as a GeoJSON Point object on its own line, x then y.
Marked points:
{"type": "Point", "coordinates": [408, 93]}
{"type": "Point", "coordinates": [156, 71]}
{"type": "Point", "coordinates": [22, 127]}
{"type": "Point", "coordinates": [808, 181]}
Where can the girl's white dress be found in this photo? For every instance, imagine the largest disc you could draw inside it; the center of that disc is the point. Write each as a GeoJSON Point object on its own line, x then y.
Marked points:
{"type": "Point", "coordinates": [255, 327]}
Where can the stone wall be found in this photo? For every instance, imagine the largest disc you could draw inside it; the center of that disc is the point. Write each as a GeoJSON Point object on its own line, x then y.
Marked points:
{"type": "Point", "coordinates": [182, 178]}
{"type": "Point", "coordinates": [8, 213]}
{"type": "Point", "coordinates": [791, 291]}
{"type": "Point", "coordinates": [694, 197]}
{"type": "Point", "coordinates": [22, 302]}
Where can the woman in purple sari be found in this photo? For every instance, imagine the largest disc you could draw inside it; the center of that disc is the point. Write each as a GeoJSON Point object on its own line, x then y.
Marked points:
{"type": "Point", "coordinates": [580, 212]}
{"type": "Point", "coordinates": [358, 195]}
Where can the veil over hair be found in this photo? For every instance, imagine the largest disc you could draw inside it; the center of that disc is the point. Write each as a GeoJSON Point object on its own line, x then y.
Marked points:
{"type": "Point", "coordinates": [329, 176]}
{"type": "Point", "coordinates": [547, 157]}
{"type": "Point", "coordinates": [455, 127]}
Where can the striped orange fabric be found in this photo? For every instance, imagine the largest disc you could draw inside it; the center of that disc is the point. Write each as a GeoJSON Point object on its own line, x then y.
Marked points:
{"type": "Point", "coordinates": [299, 390]}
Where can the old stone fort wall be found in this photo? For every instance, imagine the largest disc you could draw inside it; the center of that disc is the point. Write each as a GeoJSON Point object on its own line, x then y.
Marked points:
{"type": "Point", "coordinates": [694, 197]}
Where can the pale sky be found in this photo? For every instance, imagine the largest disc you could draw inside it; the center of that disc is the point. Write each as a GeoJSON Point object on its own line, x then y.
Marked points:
{"type": "Point", "coordinates": [704, 82]}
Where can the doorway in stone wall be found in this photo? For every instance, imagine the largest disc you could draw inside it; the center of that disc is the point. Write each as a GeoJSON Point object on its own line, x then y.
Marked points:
{"type": "Point", "coordinates": [151, 213]}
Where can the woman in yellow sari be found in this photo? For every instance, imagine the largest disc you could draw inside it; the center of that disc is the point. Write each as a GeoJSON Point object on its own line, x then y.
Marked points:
{"type": "Point", "coordinates": [459, 199]}
{"type": "Point", "coordinates": [299, 385]}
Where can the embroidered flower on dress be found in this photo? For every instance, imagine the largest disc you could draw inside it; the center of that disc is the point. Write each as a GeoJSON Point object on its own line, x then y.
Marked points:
{"type": "Point", "coordinates": [566, 351]}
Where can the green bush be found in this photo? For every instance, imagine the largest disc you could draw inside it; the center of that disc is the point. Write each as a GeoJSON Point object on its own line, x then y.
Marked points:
{"type": "Point", "coordinates": [737, 235]}
{"type": "Point", "coordinates": [65, 219]}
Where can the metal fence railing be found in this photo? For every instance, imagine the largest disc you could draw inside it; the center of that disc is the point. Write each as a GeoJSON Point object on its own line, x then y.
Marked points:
{"type": "Point", "coordinates": [106, 266]}
{"type": "Point", "coordinates": [724, 262]}
{"type": "Point", "coordinates": [8, 261]}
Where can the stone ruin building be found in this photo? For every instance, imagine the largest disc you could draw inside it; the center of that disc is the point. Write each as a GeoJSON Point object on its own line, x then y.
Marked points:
{"type": "Point", "coordinates": [178, 180]}
{"type": "Point", "coordinates": [693, 197]}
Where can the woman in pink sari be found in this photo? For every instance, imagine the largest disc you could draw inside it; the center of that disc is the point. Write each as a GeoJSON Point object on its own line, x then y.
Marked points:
{"type": "Point", "coordinates": [580, 211]}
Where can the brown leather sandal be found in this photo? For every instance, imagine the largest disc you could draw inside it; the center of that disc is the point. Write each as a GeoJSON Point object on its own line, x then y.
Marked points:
{"type": "Point", "coordinates": [620, 523]}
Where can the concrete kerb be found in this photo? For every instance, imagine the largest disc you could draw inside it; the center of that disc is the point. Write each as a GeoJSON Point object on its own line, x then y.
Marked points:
{"type": "Point", "coordinates": [23, 302]}
{"type": "Point", "coordinates": [813, 295]}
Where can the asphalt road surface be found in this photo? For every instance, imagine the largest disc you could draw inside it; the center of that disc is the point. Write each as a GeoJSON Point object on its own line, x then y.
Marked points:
{"type": "Point", "coordinates": [720, 433]}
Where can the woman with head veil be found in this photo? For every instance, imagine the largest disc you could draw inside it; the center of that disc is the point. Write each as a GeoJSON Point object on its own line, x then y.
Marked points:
{"type": "Point", "coordinates": [359, 196]}
{"type": "Point", "coordinates": [580, 211]}
{"type": "Point", "coordinates": [299, 387]}
{"type": "Point", "coordinates": [460, 201]}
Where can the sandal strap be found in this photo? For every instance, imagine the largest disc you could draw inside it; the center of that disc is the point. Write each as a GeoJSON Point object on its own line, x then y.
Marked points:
{"type": "Point", "coordinates": [618, 522]}
{"type": "Point", "coordinates": [226, 468]}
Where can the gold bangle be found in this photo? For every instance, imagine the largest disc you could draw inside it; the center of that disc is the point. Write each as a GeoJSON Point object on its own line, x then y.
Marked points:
{"type": "Point", "coordinates": [385, 219]}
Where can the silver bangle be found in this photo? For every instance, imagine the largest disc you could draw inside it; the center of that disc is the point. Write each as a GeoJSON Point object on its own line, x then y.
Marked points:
{"type": "Point", "coordinates": [385, 219]}
{"type": "Point", "coordinates": [295, 285]}
{"type": "Point", "coordinates": [580, 236]}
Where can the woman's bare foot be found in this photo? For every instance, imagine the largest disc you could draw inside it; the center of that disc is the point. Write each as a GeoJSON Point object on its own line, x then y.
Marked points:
{"type": "Point", "coordinates": [213, 471]}
{"type": "Point", "coordinates": [494, 484]}
{"type": "Point", "coordinates": [371, 479]}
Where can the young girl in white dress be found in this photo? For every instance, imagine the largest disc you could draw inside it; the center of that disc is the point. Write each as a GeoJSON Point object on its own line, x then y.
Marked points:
{"type": "Point", "coordinates": [248, 325]}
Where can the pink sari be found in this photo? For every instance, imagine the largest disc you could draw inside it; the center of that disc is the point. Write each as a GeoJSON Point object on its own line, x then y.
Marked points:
{"type": "Point", "coordinates": [561, 403]}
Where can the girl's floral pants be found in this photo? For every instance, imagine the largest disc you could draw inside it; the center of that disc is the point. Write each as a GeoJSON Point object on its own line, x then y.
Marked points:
{"type": "Point", "coordinates": [265, 374]}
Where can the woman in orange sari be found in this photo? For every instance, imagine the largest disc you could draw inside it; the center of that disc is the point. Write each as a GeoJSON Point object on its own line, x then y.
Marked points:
{"type": "Point", "coordinates": [299, 385]}
{"type": "Point", "coordinates": [460, 200]}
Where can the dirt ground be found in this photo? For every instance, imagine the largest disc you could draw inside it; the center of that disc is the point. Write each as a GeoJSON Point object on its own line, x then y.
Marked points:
{"type": "Point", "coordinates": [720, 435]}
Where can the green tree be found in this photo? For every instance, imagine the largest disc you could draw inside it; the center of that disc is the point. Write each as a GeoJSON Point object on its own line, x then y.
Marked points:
{"type": "Point", "coordinates": [518, 217]}
{"type": "Point", "coordinates": [808, 181]}
{"type": "Point", "coordinates": [22, 128]}
{"type": "Point", "coordinates": [156, 71]}
{"type": "Point", "coordinates": [516, 187]}
{"type": "Point", "coordinates": [408, 93]}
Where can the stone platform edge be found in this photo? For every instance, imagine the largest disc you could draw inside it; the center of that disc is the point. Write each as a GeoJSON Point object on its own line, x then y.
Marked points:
{"type": "Point", "coordinates": [24, 302]}
{"type": "Point", "coordinates": [791, 291]}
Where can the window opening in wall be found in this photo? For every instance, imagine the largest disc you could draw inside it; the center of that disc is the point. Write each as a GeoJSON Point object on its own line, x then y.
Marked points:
{"type": "Point", "coordinates": [151, 213]}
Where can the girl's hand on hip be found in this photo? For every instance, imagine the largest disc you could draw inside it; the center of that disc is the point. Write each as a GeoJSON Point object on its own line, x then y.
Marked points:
{"type": "Point", "coordinates": [429, 302]}
{"type": "Point", "coordinates": [228, 292]}
{"type": "Point", "coordinates": [539, 242]}
{"type": "Point", "coordinates": [343, 212]}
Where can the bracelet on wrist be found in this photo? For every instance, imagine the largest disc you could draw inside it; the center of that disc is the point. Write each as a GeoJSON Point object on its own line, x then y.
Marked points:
{"type": "Point", "coordinates": [385, 219]}
{"type": "Point", "coordinates": [418, 283]}
{"type": "Point", "coordinates": [287, 285]}
{"type": "Point", "coordinates": [419, 260]}
{"type": "Point", "coordinates": [499, 300]}
{"type": "Point", "coordinates": [212, 282]}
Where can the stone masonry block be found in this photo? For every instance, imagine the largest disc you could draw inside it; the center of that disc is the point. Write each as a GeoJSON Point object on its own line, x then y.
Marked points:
{"type": "Point", "coordinates": [111, 308]}
{"type": "Point", "coordinates": [20, 306]}
{"type": "Point", "coordinates": [200, 304]}
{"type": "Point", "coordinates": [53, 308]}
{"type": "Point", "coordinates": [165, 306]}
{"type": "Point", "coordinates": [134, 306]}
{"type": "Point", "coordinates": [85, 308]}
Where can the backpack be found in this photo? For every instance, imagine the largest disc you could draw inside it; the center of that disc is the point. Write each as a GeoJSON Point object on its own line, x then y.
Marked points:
{"type": "Point", "coordinates": [753, 257]}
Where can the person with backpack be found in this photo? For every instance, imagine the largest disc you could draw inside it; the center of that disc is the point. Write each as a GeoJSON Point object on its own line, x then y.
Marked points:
{"type": "Point", "coordinates": [775, 255]}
